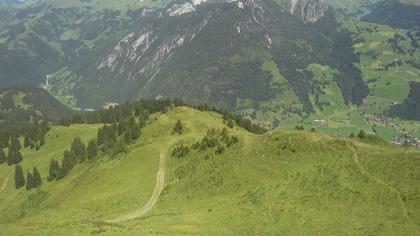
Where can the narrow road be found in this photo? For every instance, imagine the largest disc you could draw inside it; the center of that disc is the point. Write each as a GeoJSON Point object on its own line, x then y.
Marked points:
{"type": "Point", "coordinates": [381, 182]}
{"type": "Point", "coordinates": [6, 180]}
{"type": "Point", "coordinates": [160, 180]}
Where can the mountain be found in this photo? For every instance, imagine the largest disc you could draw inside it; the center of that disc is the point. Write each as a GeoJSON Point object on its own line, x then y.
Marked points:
{"type": "Point", "coordinates": [403, 14]}
{"type": "Point", "coordinates": [263, 185]}
{"type": "Point", "coordinates": [133, 52]}
{"type": "Point", "coordinates": [283, 63]}
{"type": "Point", "coordinates": [172, 58]}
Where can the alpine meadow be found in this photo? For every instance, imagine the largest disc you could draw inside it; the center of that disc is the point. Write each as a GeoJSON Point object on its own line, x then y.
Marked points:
{"type": "Point", "coordinates": [209, 117]}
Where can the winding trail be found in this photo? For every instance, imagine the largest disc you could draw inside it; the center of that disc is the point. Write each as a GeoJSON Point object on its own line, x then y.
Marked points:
{"type": "Point", "coordinates": [380, 181]}
{"type": "Point", "coordinates": [160, 180]}
{"type": "Point", "coordinates": [6, 180]}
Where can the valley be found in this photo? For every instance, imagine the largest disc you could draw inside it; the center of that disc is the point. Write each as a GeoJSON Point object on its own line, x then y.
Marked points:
{"type": "Point", "coordinates": [209, 117]}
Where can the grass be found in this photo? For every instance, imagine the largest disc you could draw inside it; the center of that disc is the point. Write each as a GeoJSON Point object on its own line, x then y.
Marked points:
{"type": "Point", "coordinates": [287, 183]}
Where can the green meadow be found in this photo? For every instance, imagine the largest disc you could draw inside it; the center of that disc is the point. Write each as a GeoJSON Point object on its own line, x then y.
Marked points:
{"type": "Point", "coordinates": [282, 183]}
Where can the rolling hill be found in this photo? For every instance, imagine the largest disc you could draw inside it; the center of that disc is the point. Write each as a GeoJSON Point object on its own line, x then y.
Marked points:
{"type": "Point", "coordinates": [26, 103]}
{"type": "Point", "coordinates": [265, 184]}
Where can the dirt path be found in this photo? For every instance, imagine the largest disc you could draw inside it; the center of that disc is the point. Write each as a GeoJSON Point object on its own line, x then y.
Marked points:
{"type": "Point", "coordinates": [6, 180]}
{"type": "Point", "coordinates": [160, 180]}
{"type": "Point", "coordinates": [380, 181]}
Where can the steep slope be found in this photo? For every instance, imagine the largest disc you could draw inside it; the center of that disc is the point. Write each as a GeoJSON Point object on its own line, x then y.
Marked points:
{"type": "Point", "coordinates": [187, 56]}
{"type": "Point", "coordinates": [280, 183]}
{"type": "Point", "coordinates": [140, 47]}
{"type": "Point", "coordinates": [408, 108]}
{"type": "Point", "coordinates": [25, 103]}
{"type": "Point", "coordinates": [403, 14]}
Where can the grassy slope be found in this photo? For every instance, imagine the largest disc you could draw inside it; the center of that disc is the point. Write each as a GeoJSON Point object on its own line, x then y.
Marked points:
{"type": "Point", "coordinates": [290, 183]}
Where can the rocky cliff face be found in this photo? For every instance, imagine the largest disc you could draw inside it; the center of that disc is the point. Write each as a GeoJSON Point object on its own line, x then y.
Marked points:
{"type": "Point", "coordinates": [310, 10]}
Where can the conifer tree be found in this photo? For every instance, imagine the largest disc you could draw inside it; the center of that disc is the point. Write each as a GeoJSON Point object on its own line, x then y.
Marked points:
{"type": "Point", "coordinates": [27, 142]}
{"type": "Point", "coordinates": [92, 149]}
{"type": "Point", "coordinates": [9, 157]}
{"type": "Point", "coordinates": [29, 181]}
{"type": "Point", "coordinates": [54, 170]}
{"type": "Point", "coordinates": [101, 136]}
{"type": "Point", "coordinates": [135, 132]}
{"type": "Point", "coordinates": [2, 156]}
{"type": "Point", "coordinates": [19, 178]}
{"type": "Point", "coordinates": [230, 123]}
{"type": "Point", "coordinates": [42, 141]}
{"type": "Point", "coordinates": [79, 149]}
{"type": "Point", "coordinates": [128, 137]}
{"type": "Point", "coordinates": [13, 156]}
{"type": "Point", "coordinates": [67, 165]}
{"type": "Point", "coordinates": [120, 147]}
{"type": "Point", "coordinates": [14, 143]}
{"type": "Point", "coordinates": [17, 157]}
{"type": "Point", "coordinates": [179, 128]}
{"type": "Point", "coordinates": [36, 178]}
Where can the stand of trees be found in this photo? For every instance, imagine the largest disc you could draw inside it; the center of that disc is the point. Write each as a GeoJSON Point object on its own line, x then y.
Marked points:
{"type": "Point", "coordinates": [33, 180]}
{"type": "Point", "coordinates": [409, 108]}
{"type": "Point", "coordinates": [33, 133]}
{"type": "Point", "coordinates": [213, 139]}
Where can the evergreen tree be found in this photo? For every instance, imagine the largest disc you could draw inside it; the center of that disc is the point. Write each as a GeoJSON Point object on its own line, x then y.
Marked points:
{"type": "Point", "coordinates": [220, 149]}
{"type": "Point", "coordinates": [9, 157]}
{"type": "Point", "coordinates": [29, 181]}
{"type": "Point", "coordinates": [135, 132]}
{"type": "Point", "coordinates": [2, 156]}
{"type": "Point", "coordinates": [79, 149]}
{"type": "Point", "coordinates": [230, 123]}
{"type": "Point", "coordinates": [54, 170]}
{"type": "Point", "coordinates": [42, 141]}
{"type": "Point", "coordinates": [101, 136]}
{"type": "Point", "coordinates": [92, 149]}
{"type": "Point", "coordinates": [120, 147]}
{"type": "Point", "coordinates": [14, 143]}
{"type": "Point", "coordinates": [128, 137]}
{"type": "Point", "coordinates": [17, 157]}
{"type": "Point", "coordinates": [27, 142]}
{"type": "Point", "coordinates": [235, 139]}
{"type": "Point", "coordinates": [67, 164]}
{"type": "Point", "coordinates": [179, 128]}
{"type": "Point", "coordinates": [361, 134]}
{"type": "Point", "coordinates": [36, 178]}
{"type": "Point", "coordinates": [224, 133]}
{"type": "Point", "coordinates": [19, 178]}
{"type": "Point", "coordinates": [13, 156]}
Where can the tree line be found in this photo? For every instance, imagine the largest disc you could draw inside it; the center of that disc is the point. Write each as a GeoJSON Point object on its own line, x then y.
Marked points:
{"type": "Point", "coordinates": [144, 108]}
{"type": "Point", "coordinates": [213, 140]}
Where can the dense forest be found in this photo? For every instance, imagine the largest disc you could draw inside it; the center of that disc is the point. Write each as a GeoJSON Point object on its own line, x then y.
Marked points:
{"type": "Point", "coordinates": [409, 109]}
